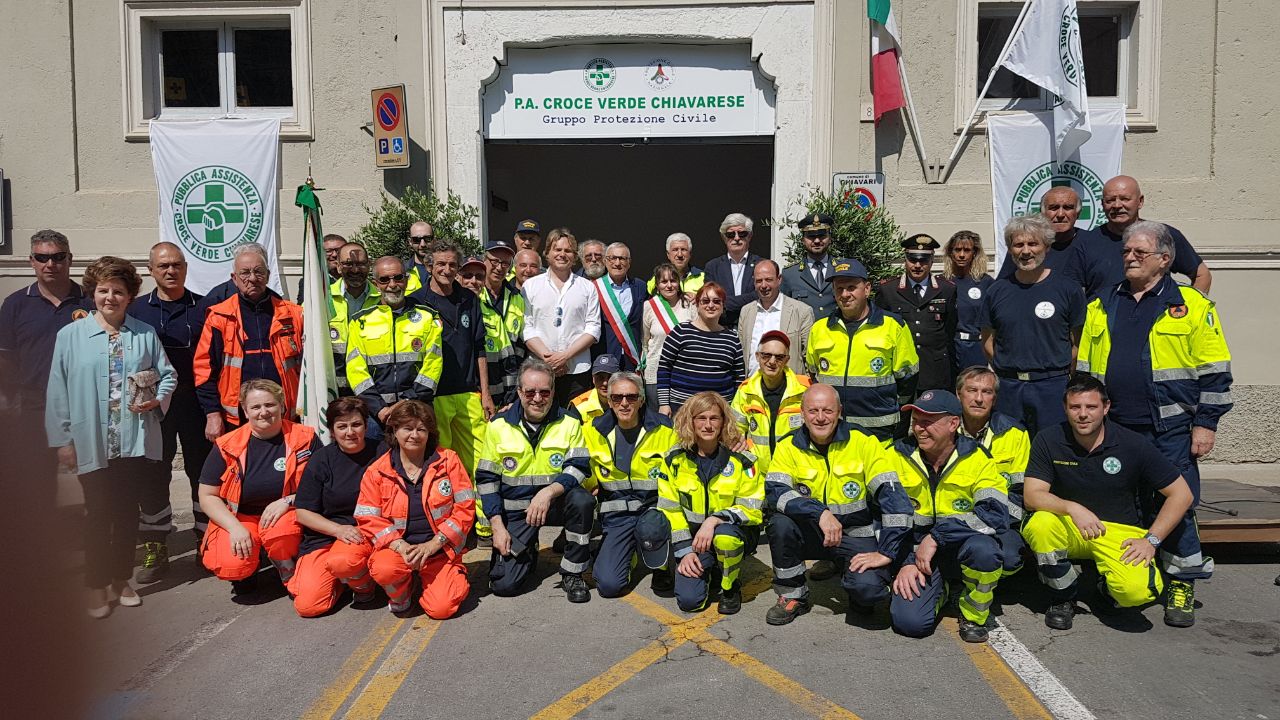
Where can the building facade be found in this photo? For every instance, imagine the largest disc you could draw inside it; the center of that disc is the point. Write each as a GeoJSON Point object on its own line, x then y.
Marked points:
{"type": "Point", "coordinates": [787, 83]}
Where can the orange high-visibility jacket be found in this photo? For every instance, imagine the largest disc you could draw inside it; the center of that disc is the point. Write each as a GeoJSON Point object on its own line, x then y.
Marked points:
{"type": "Point", "coordinates": [448, 500]}
{"type": "Point", "coordinates": [285, 341]}
{"type": "Point", "coordinates": [234, 447]}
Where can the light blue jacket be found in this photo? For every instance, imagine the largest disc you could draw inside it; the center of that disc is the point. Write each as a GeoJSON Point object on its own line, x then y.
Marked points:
{"type": "Point", "coordinates": [76, 409]}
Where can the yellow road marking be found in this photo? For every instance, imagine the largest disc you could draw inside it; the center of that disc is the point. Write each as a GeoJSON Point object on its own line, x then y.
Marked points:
{"type": "Point", "coordinates": [391, 674]}
{"type": "Point", "coordinates": [1008, 686]}
{"type": "Point", "coordinates": [354, 669]}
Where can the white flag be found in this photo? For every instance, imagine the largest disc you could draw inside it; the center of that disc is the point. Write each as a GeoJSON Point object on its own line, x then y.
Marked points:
{"type": "Point", "coordinates": [1046, 51]}
{"type": "Point", "coordinates": [1024, 166]}
{"type": "Point", "coordinates": [218, 182]}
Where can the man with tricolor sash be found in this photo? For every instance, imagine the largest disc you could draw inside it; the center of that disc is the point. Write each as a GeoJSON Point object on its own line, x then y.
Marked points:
{"type": "Point", "coordinates": [621, 308]}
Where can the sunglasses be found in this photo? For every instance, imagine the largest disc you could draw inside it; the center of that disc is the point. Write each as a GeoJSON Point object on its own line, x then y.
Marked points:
{"type": "Point", "coordinates": [620, 398]}
{"type": "Point", "coordinates": [535, 393]}
{"type": "Point", "coordinates": [710, 301]}
{"type": "Point", "coordinates": [58, 257]}
{"type": "Point", "coordinates": [384, 279]}
{"type": "Point", "coordinates": [918, 259]}
{"type": "Point", "coordinates": [472, 276]}
{"type": "Point", "coordinates": [737, 234]}
{"type": "Point", "coordinates": [773, 356]}
{"type": "Point", "coordinates": [421, 238]}
{"type": "Point", "coordinates": [816, 235]}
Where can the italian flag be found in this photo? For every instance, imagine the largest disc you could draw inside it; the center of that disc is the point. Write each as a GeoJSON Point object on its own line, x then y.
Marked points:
{"type": "Point", "coordinates": [886, 83]}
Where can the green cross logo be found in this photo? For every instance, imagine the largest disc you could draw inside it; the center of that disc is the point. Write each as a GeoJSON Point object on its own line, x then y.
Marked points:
{"type": "Point", "coordinates": [216, 208]}
{"type": "Point", "coordinates": [1086, 183]}
{"type": "Point", "coordinates": [599, 74]}
{"type": "Point", "coordinates": [1112, 465]}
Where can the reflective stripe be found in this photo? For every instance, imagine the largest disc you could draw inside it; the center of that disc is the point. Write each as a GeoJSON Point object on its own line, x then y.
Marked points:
{"type": "Point", "coordinates": [392, 358]}
{"type": "Point", "coordinates": [895, 520]}
{"type": "Point", "coordinates": [1016, 478]}
{"type": "Point", "coordinates": [1015, 512]}
{"type": "Point", "coordinates": [489, 466]}
{"type": "Point", "coordinates": [879, 479]}
{"type": "Point", "coordinates": [922, 520]}
{"type": "Point", "coordinates": [353, 354]}
{"type": "Point", "coordinates": [759, 439]}
{"type": "Point", "coordinates": [461, 495]}
{"type": "Point", "coordinates": [1212, 398]}
{"type": "Point", "coordinates": [527, 480]}
{"type": "Point", "coordinates": [620, 506]}
{"type": "Point", "coordinates": [1168, 411]}
{"type": "Point", "coordinates": [292, 363]}
{"type": "Point", "coordinates": [736, 552]}
{"type": "Point", "coordinates": [577, 538]}
{"type": "Point", "coordinates": [787, 497]}
{"type": "Point", "coordinates": [574, 473]}
{"type": "Point", "coordinates": [678, 536]}
{"type": "Point", "coordinates": [990, 494]}
{"type": "Point", "coordinates": [455, 527]}
{"type": "Point", "coordinates": [515, 504]}
{"type": "Point", "coordinates": [881, 421]}
{"type": "Point", "coordinates": [367, 511]}
{"type": "Point", "coordinates": [425, 381]}
{"type": "Point", "coordinates": [847, 508]}
{"type": "Point", "coordinates": [907, 371]}
{"type": "Point", "coordinates": [576, 453]}
{"type": "Point", "coordinates": [1063, 582]}
{"type": "Point", "coordinates": [979, 606]}
{"type": "Point", "coordinates": [694, 518]}
{"type": "Point", "coordinates": [439, 512]}
{"type": "Point", "coordinates": [667, 504]}
{"type": "Point", "coordinates": [233, 507]}
{"type": "Point", "coordinates": [861, 531]}
{"type": "Point", "coordinates": [791, 593]}
{"type": "Point", "coordinates": [339, 347]}
{"type": "Point", "coordinates": [984, 587]}
{"type": "Point", "coordinates": [233, 410]}
{"type": "Point", "coordinates": [788, 572]}
{"type": "Point", "coordinates": [232, 361]}
{"type": "Point", "coordinates": [644, 485]}
{"type": "Point", "coordinates": [751, 503]}
{"type": "Point", "coordinates": [362, 387]}
{"type": "Point", "coordinates": [871, 381]}
{"type": "Point", "coordinates": [489, 488]}
{"type": "Point", "coordinates": [1222, 366]}
{"type": "Point", "coordinates": [1188, 561]}
{"type": "Point", "coordinates": [780, 478]}
{"type": "Point", "coordinates": [1174, 374]}
{"type": "Point", "coordinates": [1051, 558]}
{"type": "Point", "coordinates": [572, 567]}
{"type": "Point", "coordinates": [737, 515]}
{"type": "Point", "coordinates": [974, 522]}
{"type": "Point", "coordinates": [389, 398]}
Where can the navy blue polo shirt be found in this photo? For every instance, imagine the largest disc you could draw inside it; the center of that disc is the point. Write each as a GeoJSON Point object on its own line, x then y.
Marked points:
{"type": "Point", "coordinates": [462, 337]}
{"type": "Point", "coordinates": [1066, 258]}
{"type": "Point", "coordinates": [1129, 381]}
{"type": "Point", "coordinates": [1104, 265]}
{"type": "Point", "coordinates": [1111, 480]}
{"type": "Point", "coordinates": [330, 487]}
{"type": "Point", "coordinates": [1033, 323]}
{"type": "Point", "coordinates": [178, 324]}
{"type": "Point", "coordinates": [969, 299]}
{"type": "Point", "coordinates": [417, 529]}
{"type": "Point", "coordinates": [29, 326]}
{"type": "Point", "coordinates": [262, 481]}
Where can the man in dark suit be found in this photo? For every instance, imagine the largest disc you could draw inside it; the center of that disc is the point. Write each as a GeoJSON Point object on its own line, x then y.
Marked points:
{"type": "Point", "coordinates": [621, 309]}
{"type": "Point", "coordinates": [733, 270]}
{"type": "Point", "coordinates": [927, 304]}
{"type": "Point", "coordinates": [807, 280]}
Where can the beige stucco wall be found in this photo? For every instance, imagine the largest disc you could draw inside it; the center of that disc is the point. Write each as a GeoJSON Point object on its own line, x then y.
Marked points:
{"type": "Point", "coordinates": [1208, 168]}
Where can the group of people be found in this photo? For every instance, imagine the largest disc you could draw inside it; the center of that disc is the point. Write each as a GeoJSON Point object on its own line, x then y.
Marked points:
{"type": "Point", "coordinates": [926, 429]}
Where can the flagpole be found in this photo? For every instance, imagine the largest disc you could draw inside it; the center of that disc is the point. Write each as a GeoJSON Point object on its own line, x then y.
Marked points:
{"type": "Point", "coordinates": [911, 118]}
{"type": "Point", "coordinates": [1004, 53]}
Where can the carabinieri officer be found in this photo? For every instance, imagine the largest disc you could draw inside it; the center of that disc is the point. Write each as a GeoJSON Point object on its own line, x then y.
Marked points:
{"type": "Point", "coordinates": [927, 305]}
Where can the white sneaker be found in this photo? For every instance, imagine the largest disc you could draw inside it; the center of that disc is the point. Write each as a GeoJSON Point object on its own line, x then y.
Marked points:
{"type": "Point", "coordinates": [132, 599]}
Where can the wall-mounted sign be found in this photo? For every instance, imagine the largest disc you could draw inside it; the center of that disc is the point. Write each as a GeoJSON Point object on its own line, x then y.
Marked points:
{"type": "Point", "coordinates": [628, 91]}
{"type": "Point", "coordinates": [864, 189]}
{"type": "Point", "coordinates": [390, 128]}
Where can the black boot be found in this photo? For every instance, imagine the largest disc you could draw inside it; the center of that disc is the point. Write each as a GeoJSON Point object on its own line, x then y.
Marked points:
{"type": "Point", "coordinates": [730, 600]}
{"type": "Point", "coordinates": [575, 587]}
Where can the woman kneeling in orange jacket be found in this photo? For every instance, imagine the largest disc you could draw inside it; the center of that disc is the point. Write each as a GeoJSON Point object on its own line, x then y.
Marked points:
{"type": "Point", "coordinates": [247, 487]}
{"type": "Point", "coordinates": [334, 552]}
{"type": "Point", "coordinates": [416, 506]}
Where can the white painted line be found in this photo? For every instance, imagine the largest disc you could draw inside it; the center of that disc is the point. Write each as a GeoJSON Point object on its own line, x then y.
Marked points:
{"type": "Point", "coordinates": [1055, 696]}
{"type": "Point", "coordinates": [176, 654]}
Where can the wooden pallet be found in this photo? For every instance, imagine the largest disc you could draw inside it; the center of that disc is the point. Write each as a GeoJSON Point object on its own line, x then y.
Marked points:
{"type": "Point", "coordinates": [1257, 508]}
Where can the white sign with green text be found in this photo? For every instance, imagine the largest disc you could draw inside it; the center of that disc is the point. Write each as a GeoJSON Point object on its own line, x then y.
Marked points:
{"type": "Point", "coordinates": [628, 91]}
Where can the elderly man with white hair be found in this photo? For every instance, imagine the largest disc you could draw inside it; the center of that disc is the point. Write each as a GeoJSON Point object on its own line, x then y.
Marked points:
{"type": "Point", "coordinates": [734, 270]}
{"type": "Point", "coordinates": [1159, 348]}
{"type": "Point", "coordinates": [680, 253]}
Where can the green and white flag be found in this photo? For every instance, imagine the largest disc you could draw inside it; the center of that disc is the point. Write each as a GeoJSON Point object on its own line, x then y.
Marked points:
{"type": "Point", "coordinates": [218, 186]}
{"type": "Point", "coordinates": [1047, 52]}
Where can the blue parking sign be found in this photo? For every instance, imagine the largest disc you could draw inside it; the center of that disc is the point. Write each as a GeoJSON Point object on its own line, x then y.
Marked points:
{"type": "Point", "coordinates": [397, 145]}
{"type": "Point", "coordinates": [382, 146]}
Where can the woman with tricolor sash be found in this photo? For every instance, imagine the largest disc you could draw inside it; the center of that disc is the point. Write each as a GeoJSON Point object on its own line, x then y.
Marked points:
{"type": "Point", "coordinates": [662, 313]}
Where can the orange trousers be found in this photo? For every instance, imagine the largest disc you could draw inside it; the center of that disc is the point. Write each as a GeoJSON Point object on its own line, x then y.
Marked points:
{"type": "Point", "coordinates": [444, 582]}
{"type": "Point", "coordinates": [317, 584]}
{"type": "Point", "coordinates": [281, 542]}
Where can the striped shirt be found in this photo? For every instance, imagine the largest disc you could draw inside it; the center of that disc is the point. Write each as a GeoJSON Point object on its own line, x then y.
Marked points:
{"type": "Point", "coordinates": [694, 360]}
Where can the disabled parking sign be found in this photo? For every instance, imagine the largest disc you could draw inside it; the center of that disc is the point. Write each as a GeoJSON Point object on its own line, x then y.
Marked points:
{"type": "Point", "coordinates": [390, 127]}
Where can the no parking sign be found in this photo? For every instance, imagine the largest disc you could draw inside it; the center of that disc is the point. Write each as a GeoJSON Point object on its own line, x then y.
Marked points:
{"type": "Point", "coordinates": [390, 127]}
{"type": "Point", "coordinates": [864, 189]}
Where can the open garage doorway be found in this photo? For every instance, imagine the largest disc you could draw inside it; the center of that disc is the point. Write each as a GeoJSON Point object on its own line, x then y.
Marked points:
{"type": "Point", "coordinates": [635, 193]}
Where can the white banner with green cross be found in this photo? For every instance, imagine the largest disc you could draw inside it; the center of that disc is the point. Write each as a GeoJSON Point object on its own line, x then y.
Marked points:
{"type": "Point", "coordinates": [218, 186]}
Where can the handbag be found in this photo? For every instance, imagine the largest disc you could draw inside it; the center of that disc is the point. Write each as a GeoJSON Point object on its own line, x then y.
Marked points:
{"type": "Point", "coordinates": [143, 386]}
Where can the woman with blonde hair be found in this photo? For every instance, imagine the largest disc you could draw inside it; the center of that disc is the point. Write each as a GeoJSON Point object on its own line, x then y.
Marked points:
{"type": "Point", "coordinates": [109, 385]}
{"type": "Point", "coordinates": [713, 500]}
{"type": "Point", "coordinates": [966, 264]}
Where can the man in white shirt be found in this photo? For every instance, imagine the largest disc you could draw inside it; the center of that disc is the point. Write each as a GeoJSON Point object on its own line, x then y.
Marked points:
{"type": "Point", "coordinates": [734, 269]}
{"type": "Point", "coordinates": [773, 311]}
{"type": "Point", "coordinates": [562, 319]}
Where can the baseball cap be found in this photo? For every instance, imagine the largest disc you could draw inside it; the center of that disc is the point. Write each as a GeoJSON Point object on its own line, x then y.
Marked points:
{"type": "Point", "coordinates": [653, 538]}
{"type": "Point", "coordinates": [936, 402]}
{"type": "Point", "coordinates": [776, 335]}
{"type": "Point", "coordinates": [605, 364]}
{"type": "Point", "coordinates": [529, 226]}
{"type": "Point", "coordinates": [473, 260]}
{"type": "Point", "coordinates": [500, 244]}
{"type": "Point", "coordinates": [848, 269]}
